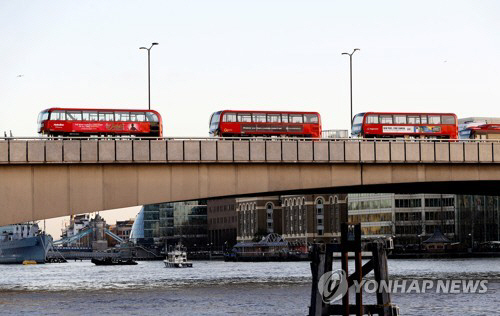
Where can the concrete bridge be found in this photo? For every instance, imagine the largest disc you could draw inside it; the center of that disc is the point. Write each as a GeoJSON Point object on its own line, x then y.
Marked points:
{"type": "Point", "coordinates": [42, 178]}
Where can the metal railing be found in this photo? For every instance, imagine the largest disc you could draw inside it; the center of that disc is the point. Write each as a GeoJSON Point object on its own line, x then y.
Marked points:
{"type": "Point", "coordinates": [388, 139]}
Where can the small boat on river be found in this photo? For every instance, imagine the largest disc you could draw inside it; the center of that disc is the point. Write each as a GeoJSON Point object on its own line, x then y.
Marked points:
{"type": "Point", "coordinates": [177, 258]}
{"type": "Point", "coordinates": [113, 262]}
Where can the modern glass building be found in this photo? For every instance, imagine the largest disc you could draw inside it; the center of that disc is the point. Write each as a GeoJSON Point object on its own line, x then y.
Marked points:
{"type": "Point", "coordinates": [478, 218]}
{"type": "Point", "coordinates": [170, 223]}
{"type": "Point", "coordinates": [410, 218]}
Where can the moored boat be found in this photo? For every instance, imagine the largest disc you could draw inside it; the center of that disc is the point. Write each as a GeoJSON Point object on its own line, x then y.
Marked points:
{"type": "Point", "coordinates": [108, 261]}
{"type": "Point", "coordinates": [177, 258]}
{"type": "Point", "coordinates": [23, 242]}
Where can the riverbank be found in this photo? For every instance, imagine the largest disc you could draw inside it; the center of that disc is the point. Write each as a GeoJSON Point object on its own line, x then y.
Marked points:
{"type": "Point", "coordinates": [450, 255]}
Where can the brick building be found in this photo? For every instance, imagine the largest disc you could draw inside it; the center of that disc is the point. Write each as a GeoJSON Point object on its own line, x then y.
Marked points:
{"type": "Point", "coordinates": [222, 222]}
{"type": "Point", "coordinates": [258, 216]}
{"type": "Point", "coordinates": [302, 218]}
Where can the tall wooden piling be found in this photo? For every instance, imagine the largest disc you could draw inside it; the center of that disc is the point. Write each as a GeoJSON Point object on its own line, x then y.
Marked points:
{"type": "Point", "coordinates": [322, 260]}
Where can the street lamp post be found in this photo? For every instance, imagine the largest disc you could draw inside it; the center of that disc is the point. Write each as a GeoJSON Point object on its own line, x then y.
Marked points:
{"type": "Point", "coordinates": [350, 62]}
{"type": "Point", "coordinates": [149, 72]}
{"type": "Point", "coordinates": [471, 241]}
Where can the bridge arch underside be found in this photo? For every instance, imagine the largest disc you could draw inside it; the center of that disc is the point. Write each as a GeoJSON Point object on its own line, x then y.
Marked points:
{"type": "Point", "coordinates": [35, 192]}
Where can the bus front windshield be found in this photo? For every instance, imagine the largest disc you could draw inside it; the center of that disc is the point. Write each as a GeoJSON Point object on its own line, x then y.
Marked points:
{"type": "Point", "coordinates": [214, 123]}
{"type": "Point", "coordinates": [357, 123]}
{"type": "Point", "coordinates": [43, 116]}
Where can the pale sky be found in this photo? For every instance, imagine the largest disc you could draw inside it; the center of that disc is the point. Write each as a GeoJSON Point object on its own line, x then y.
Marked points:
{"type": "Point", "coordinates": [276, 55]}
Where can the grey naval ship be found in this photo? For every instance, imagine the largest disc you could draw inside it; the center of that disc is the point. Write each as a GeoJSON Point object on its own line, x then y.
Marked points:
{"type": "Point", "coordinates": [23, 242]}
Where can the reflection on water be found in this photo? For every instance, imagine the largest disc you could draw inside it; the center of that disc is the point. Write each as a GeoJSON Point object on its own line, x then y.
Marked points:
{"type": "Point", "coordinates": [219, 288]}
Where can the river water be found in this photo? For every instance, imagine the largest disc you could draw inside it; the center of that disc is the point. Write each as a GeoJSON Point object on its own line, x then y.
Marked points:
{"type": "Point", "coordinates": [220, 288]}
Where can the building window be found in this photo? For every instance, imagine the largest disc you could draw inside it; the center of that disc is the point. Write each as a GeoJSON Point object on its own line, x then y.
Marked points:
{"type": "Point", "coordinates": [319, 206]}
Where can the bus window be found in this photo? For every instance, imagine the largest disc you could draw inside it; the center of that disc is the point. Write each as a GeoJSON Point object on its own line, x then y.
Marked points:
{"type": "Point", "coordinates": [465, 133]}
{"type": "Point", "coordinates": [137, 117]}
{"type": "Point", "coordinates": [74, 115]}
{"type": "Point", "coordinates": [89, 116]}
{"type": "Point", "coordinates": [58, 115]}
{"type": "Point", "coordinates": [413, 119]}
{"type": "Point", "coordinates": [399, 119]}
{"type": "Point", "coordinates": [358, 119]}
{"type": "Point", "coordinates": [122, 116]}
{"type": "Point", "coordinates": [448, 119]}
{"type": "Point", "coordinates": [229, 117]}
{"type": "Point", "coordinates": [372, 119]}
{"type": "Point", "coordinates": [296, 118]}
{"type": "Point", "coordinates": [386, 119]}
{"type": "Point", "coordinates": [310, 118]}
{"type": "Point", "coordinates": [273, 118]}
{"type": "Point", "coordinates": [259, 118]}
{"type": "Point", "coordinates": [43, 116]}
{"type": "Point", "coordinates": [434, 119]}
{"type": "Point", "coordinates": [214, 122]}
{"type": "Point", "coordinates": [151, 117]}
{"type": "Point", "coordinates": [423, 119]}
{"type": "Point", "coordinates": [243, 117]}
{"type": "Point", "coordinates": [106, 116]}
{"type": "Point", "coordinates": [284, 118]}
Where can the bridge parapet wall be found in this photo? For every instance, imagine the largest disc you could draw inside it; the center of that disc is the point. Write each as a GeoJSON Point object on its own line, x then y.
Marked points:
{"type": "Point", "coordinates": [43, 151]}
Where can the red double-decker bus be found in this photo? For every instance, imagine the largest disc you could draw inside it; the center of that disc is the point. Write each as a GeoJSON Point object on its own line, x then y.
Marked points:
{"type": "Point", "coordinates": [408, 125]}
{"type": "Point", "coordinates": [483, 131]}
{"type": "Point", "coordinates": [231, 123]}
{"type": "Point", "coordinates": [105, 122]}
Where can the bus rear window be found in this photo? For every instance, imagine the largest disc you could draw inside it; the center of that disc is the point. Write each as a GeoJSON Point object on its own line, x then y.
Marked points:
{"type": "Point", "coordinates": [448, 119]}
{"type": "Point", "coordinates": [151, 117]}
{"type": "Point", "coordinates": [310, 118]}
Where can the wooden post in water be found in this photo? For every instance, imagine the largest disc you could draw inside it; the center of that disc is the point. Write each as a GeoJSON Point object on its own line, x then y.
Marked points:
{"type": "Point", "coordinates": [321, 262]}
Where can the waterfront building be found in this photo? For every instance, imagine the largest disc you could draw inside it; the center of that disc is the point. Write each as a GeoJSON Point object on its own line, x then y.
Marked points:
{"type": "Point", "coordinates": [170, 223]}
{"type": "Point", "coordinates": [77, 223]}
{"type": "Point", "coordinates": [297, 218]}
{"type": "Point", "coordinates": [313, 217]}
{"type": "Point", "coordinates": [408, 218]}
{"type": "Point", "coordinates": [258, 217]}
{"type": "Point", "coordinates": [222, 223]}
{"type": "Point", "coordinates": [121, 229]}
{"type": "Point", "coordinates": [478, 219]}
{"type": "Point", "coordinates": [96, 240]}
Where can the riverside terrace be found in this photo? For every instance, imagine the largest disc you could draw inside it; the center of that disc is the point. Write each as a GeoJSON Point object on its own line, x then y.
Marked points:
{"type": "Point", "coordinates": [44, 178]}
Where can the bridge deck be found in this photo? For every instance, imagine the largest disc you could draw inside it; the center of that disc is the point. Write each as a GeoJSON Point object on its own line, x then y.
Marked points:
{"type": "Point", "coordinates": [210, 150]}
